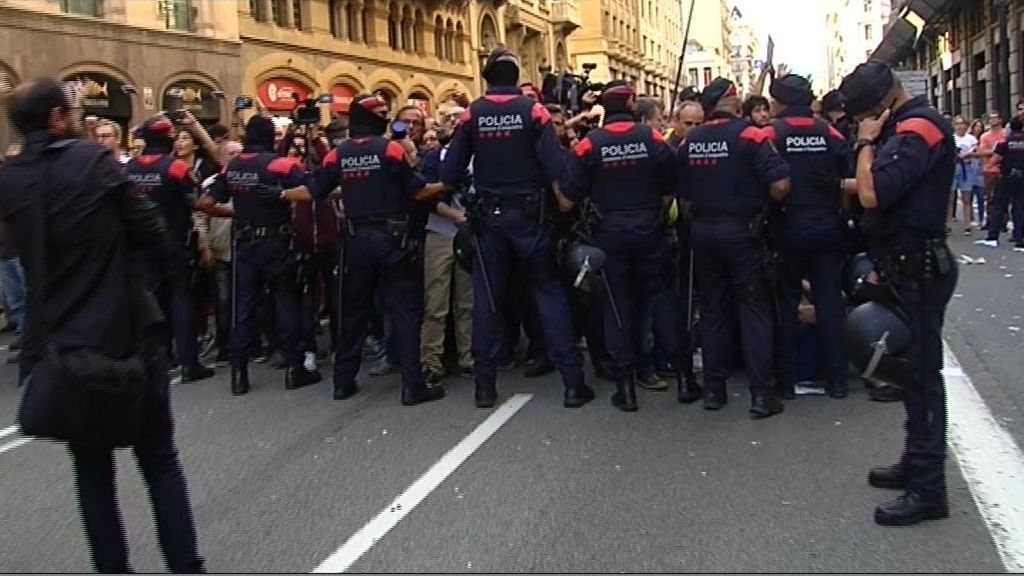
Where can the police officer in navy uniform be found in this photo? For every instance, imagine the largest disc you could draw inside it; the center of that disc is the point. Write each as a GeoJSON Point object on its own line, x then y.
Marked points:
{"type": "Point", "coordinates": [517, 159]}
{"type": "Point", "coordinates": [1010, 154]}
{"type": "Point", "coordinates": [167, 180]}
{"type": "Point", "coordinates": [261, 185]}
{"type": "Point", "coordinates": [810, 240]}
{"type": "Point", "coordinates": [905, 160]}
{"type": "Point", "coordinates": [729, 173]}
{"type": "Point", "coordinates": [383, 247]}
{"type": "Point", "coordinates": [628, 171]}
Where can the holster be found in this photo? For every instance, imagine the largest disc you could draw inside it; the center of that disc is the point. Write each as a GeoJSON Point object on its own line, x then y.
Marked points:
{"type": "Point", "coordinates": [248, 234]}
{"type": "Point", "coordinates": [930, 259]}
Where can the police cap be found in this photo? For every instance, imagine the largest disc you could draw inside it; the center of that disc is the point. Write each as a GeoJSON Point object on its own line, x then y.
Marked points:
{"type": "Point", "coordinates": [501, 68]}
{"type": "Point", "coordinates": [156, 133]}
{"type": "Point", "coordinates": [718, 89]}
{"type": "Point", "coordinates": [792, 90]}
{"type": "Point", "coordinates": [865, 87]}
{"type": "Point", "coordinates": [833, 102]}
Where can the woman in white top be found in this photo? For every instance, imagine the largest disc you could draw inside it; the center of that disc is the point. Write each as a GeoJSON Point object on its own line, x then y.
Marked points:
{"type": "Point", "coordinates": [968, 177]}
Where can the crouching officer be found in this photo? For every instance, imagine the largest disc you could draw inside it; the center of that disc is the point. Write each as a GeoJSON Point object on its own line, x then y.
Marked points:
{"type": "Point", "coordinates": [730, 172]}
{"type": "Point", "coordinates": [381, 250]}
{"type": "Point", "coordinates": [260, 185]}
{"type": "Point", "coordinates": [905, 161]}
{"type": "Point", "coordinates": [628, 171]}
{"type": "Point", "coordinates": [811, 235]}
{"type": "Point", "coordinates": [517, 159]}
{"type": "Point", "coordinates": [167, 181]}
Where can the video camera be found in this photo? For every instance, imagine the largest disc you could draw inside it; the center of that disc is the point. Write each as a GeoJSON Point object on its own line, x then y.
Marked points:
{"type": "Point", "coordinates": [306, 112]}
{"type": "Point", "coordinates": [567, 89]}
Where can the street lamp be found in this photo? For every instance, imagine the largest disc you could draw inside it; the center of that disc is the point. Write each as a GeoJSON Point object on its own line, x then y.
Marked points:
{"type": "Point", "coordinates": [1003, 88]}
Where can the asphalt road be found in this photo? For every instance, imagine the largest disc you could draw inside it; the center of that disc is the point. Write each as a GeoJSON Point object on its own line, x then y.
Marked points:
{"type": "Point", "coordinates": [280, 480]}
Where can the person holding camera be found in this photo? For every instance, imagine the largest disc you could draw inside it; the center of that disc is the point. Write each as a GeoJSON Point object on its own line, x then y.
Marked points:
{"type": "Point", "coordinates": [168, 270]}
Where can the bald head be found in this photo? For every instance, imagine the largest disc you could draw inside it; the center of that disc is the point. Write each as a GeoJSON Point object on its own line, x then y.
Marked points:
{"type": "Point", "coordinates": [687, 117]}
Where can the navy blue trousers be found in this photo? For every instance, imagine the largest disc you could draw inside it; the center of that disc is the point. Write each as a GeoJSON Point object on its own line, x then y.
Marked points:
{"type": "Point", "coordinates": [374, 261]}
{"type": "Point", "coordinates": [818, 256]}
{"type": "Point", "coordinates": [635, 269]}
{"type": "Point", "coordinates": [167, 276]}
{"type": "Point", "coordinates": [261, 263]}
{"type": "Point", "coordinates": [1010, 192]}
{"type": "Point", "coordinates": [504, 237]}
{"type": "Point", "coordinates": [731, 283]}
{"type": "Point", "coordinates": [158, 460]}
{"type": "Point", "coordinates": [924, 454]}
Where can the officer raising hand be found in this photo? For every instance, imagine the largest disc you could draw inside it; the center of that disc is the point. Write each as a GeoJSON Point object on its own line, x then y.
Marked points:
{"type": "Point", "coordinates": [906, 156]}
{"type": "Point", "coordinates": [517, 167]}
{"type": "Point", "coordinates": [730, 172]}
{"type": "Point", "coordinates": [628, 171]}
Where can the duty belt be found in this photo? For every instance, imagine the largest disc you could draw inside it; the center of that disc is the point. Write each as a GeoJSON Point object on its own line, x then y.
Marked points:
{"type": "Point", "coordinates": [531, 205]}
{"type": "Point", "coordinates": [395, 227]}
{"type": "Point", "coordinates": [253, 233]}
{"type": "Point", "coordinates": [931, 258]}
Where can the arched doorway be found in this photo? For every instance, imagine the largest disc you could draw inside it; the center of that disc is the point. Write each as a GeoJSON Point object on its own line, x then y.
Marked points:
{"type": "Point", "coordinates": [104, 96]}
{"type": "Point", "coordinates": [196, 96]}
{"type": "Point", "coordinates": [280, 95]}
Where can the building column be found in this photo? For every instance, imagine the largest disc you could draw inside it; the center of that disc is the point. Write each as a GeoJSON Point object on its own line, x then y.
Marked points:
{"type": "Point", "coordinates": [376, 24]}
{"type": "Point", "coordinates": [357, 25]}
{"type": "Point", "coordinates": [204, 24]}
{"type": "Point", "coordinates": [287, 21]}
{"type": "Point", "coordinates": [266, 9]}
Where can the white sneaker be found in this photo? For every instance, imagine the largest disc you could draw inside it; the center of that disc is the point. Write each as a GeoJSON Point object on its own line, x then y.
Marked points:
{"type": "Point", "coordinates": [310, 362]}
{"type": "Point", "coordinates": [988, 243]}
{"type": "Point", "coordinates": [1018, 248]}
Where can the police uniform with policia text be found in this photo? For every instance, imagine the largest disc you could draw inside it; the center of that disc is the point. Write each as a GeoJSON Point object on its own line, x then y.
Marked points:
{"type": "Point", "coordinates": [905, 160]}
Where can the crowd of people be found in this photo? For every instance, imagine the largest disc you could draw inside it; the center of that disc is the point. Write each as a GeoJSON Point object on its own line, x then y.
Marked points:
{"type": "Point", "coordinates": [755, 234]}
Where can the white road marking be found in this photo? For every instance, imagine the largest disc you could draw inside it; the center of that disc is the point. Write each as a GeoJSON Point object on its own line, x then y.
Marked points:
{"type": "Point", "coordinates": [991, 463]}
{"type": "Point", "coordinates": [8, 431]}
{"type": "Point", "coordinates": [361, 542]}
{"type": "Point", "coordinates": [14, 444]}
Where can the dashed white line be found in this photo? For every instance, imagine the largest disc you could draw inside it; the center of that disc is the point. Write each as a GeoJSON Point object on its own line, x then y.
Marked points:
{"type": "Point", "coordinates": [360, 542]}
{"type": "Point", "coordinates": [991, 463]}
{"type": "Point", "coordinates": [4, 432]}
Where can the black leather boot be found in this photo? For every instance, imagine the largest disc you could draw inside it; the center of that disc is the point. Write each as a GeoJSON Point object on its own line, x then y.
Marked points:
{"type": "Point", "coordinates": [911, 508]}
{"type": "Point", "coordinates": [343, 391]}
{"type": "Point", "coordinates": [197, 373]}
{"type": "Point", "coordinates": [893, 477]}
{"type": "Point", "coordinates": [239, 379]}
{"type": "Point", "coordinates": [577, 393]}
{"type": "Point", "coordinates": [715, 396]}
{"type": "Point", "coordinates": [625, 395]}
{"type": "Point", "coordinates": [688, 390]}
{"type": "Point", "coordinates": [765, 405]}
{"type": "Point", "coordinates": [536, 368]}
{"type": "Point", "coordinates": [297, 377]}
{"type": "Point", "coordinates": [486, 394]}
{"type": "Point", "coordinates": [838, 389]}
{"type": "Point", "coordinates": [411, 396]}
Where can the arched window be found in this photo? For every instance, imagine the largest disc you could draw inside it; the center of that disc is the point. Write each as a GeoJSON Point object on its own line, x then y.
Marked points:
{"type": "Point", "coordinates": [460, 42]}
{"type": "Point", "coordinates": [334, 17]}
{"type": "Point", "coordinates": [417, 32]}
{"type": "Point", "coordinates": [439, 37]}
{"type": "Point", "coordinates": [488, 34]}
{"type": "Point", "coordinates": [393, 23]}
{"type": "Point", "coordinates": [407, 33]}
{"type": "Point", "coordinates": [449, 40]}
{"type": "Point", "coordinates": [353, 23]}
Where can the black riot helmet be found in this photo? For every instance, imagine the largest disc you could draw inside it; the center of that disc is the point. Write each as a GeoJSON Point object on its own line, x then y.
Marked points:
{"type": "Point", "coordinates": [583, 262]}
{"type": "Point", "coordinates": [856, 270]}
{"type": "Point", "coordinates": [875, 338]}
{"type": "Point", "coordinates": [368, 116]}
{"type": "Point", "coordinates": [501, 68]}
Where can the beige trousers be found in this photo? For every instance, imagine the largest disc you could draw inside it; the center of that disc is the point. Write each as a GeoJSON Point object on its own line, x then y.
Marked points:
{"type": "Point", "coordinates": [439, 271]}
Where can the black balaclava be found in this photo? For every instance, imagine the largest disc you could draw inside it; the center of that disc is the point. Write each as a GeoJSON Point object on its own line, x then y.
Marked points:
{"type": "Point", "coordinates": [363, 121]}
{"type": "Point", "coordinates": [616, 97]}
{"type": "Point", "coordinates": [156, 133]}
{"type": "Point", "coordinates": [259, 135]}
{"type": "Point", "coordinates": [502, 68]}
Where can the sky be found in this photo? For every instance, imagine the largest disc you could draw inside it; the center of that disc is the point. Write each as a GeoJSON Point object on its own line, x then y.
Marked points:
{"type": "Point", "coordinates": [797, 26]}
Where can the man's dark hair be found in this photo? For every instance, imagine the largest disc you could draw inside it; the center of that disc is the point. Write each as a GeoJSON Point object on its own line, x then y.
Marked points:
{"type": "Point", "coordinates": [218, 131]}
{"type": "Point", "coordinates": [29, 106]}
{"type": "Point", "coordinates": [554, 109]}
{"type": "Point", "coordinates": [753, 102]}
{"type": "Point", "coordinates": [647, 107]}
{"type": "Point", "coordinates": [1016, 125]}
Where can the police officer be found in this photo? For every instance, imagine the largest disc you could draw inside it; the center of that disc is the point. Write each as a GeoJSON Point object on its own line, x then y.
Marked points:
{"type": "Point", "coordinates": [261, 185]}
{"type": "Point", "coordinates": [905, 159]}
{"type": "Point", "coordinates": [1010, 155]}
{"type": "Point", "coordinates": [168, 182]}
{"type": "Point", "coordinates": [730, 172]}
{"type": "Point", "coordinates": [383, 249]}
{"type": "Point", "coordinates": [811, 237]}
{"type": "Point", "coordinates": [627, 170]}
{"type": "Point", "coordinates": [516, 160]}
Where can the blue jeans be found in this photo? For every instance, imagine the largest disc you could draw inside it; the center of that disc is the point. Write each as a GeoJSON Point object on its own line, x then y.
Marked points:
{"type": "Point", "coordinates": [12, 278]}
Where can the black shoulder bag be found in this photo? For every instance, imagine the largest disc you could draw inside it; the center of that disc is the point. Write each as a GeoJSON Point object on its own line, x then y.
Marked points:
{"type": "Point", "coordinates": [80, 395]}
